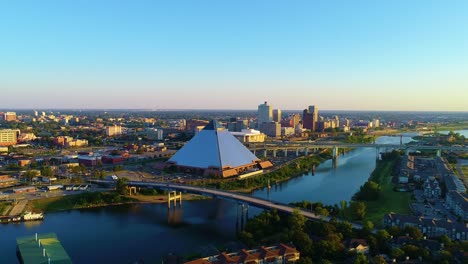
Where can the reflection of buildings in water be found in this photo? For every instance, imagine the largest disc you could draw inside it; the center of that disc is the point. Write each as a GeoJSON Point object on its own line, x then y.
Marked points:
{"type": "Point", "coordinates": [174, 215]}
{"type": "Point", "coordinates": [31, 224]}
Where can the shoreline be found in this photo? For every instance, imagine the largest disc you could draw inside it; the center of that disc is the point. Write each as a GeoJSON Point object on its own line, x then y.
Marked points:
{"type": "Point", "coordinates": [138, 199]}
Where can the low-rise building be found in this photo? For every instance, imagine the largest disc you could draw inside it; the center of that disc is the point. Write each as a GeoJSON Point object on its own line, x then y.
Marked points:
{"type": "Point", "coordinates": [249, 136]}
{"type": "Point", "coordinates": [7, 181]}
{"type": "Point", "coordinates": [278, 254]}
{"type": "Point", "coordinates": [66, 141]}
{"type": "Point", "coordinates": [429, 226]}
{"type": "Point", "coordinates": [458, 203]}
{"type": "Point", "coordinates": [431, 188]}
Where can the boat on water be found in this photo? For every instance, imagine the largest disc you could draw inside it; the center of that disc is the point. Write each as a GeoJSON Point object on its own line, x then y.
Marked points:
{"type": "Point", "coordinates": [29, 216]}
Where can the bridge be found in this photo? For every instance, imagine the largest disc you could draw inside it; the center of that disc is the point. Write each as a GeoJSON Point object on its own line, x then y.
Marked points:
{"type": "Point", "coordinates": [306, 146]}
{"type": "Point", "coordinates": [236, 197]}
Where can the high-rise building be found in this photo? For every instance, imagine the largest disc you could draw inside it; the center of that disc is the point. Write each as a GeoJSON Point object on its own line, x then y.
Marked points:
{"type": "Point", "coordinates": [113, 130]}
{"type": "Point", "coordinates": [310, 118]}
{"type": "Point", "coordinates": [271, 129]}
{"type": "Point", "coordinates": [264, 114]}
{"type": "Point", "coordinates": [36, 113]}
{"type": "Point", "coordinates": [277, 115]}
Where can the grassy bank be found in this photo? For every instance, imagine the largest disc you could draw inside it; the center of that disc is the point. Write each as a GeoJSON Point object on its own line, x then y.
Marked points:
{"type": "Point", "coordinates": [388, 200]}
{"type": "Point", "coordinates": [284, 172]}
{"type": "Point", "coordinates": [83, 200]}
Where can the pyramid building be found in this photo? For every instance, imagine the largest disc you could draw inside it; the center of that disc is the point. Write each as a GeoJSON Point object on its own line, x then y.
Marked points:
{"type": "Point", "coordinates": [216, 152]}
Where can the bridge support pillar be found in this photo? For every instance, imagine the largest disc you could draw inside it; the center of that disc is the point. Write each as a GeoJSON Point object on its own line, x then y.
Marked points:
{"type": "Point", "coordinates": [173, 196]}
{"type": "Point", "coordinates": [274, 153]}
{"type": "Point", "coordinates": [285, 152]}
{"type": "Point", "coordinates": [297, 152]}
{"type": "Point", "coordinates": [306, 151]}
{"type": "Point", "coordinates": [335, 156]}
{"type": "Point", "coordinates": [265, 153]}
{"type": "Point", "coordinates": [439, 153]}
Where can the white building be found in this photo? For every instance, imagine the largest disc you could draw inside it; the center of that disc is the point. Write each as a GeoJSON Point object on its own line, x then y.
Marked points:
{"type": "Point", "coordinates": [249, 136]}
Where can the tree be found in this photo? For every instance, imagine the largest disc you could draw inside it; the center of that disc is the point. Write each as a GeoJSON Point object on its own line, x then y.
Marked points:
{"type": "Point", "coordinates": [296, 220]}
{"type": "Point", "coordinates": [379, 259]}
{"type": "Point", "coordinates": [29, 175]}
{"type": "Point", "coordinates": [358, 210]}
{"type": "Point", "coordinates": [344, 206]}
{"type": "Point", "coordinates": [361, 259]}
{"type": "Point", "coordinates": [121, 186]}
{"type": "Point", "coordinates": [47, 172]}
{"type": "Point", "coordinates": [397, 253]}
{"type": "Point", "coordinates": [414, 232]}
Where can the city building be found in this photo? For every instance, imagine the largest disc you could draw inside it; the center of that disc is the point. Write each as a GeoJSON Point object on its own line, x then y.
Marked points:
{"type": "Point", "coordinates": [8, 137]}
{"type": "Point", "coordinates": [154, 133]}
{"type": "Point", "coordinates": [237, 125]}
{"type": "Point", "coordinates": [458, 203]}
{"type": "Point", "coordinates": [264, 114]}
{"type": "Point", "coordinates": [9, 116]}
{"type": "Point", "coordinates": [113, 130]}
{"type": "Point", "coordinates": [310, 118]}
{"type": "Point", "coordinates": [66, 141]}
{"type": "Point", "coordinates": [287, 131]}
{"type": "Point", "coordinates": [249, 136]}
{"type": "Point", "coordinates": [277, 115]}
{"type": "Point", "coordinates": [89, 160]}
{"type": "Point", "coordinates": [278, 254]}
{"type": "Point", "coordinates": [7, 181]}
{"type": "Point", "coordinates": [428, 226]}
{"type": "Point", "coordinates": [214, 151]}
{"type": "Point", "coordinates": [271, 129]}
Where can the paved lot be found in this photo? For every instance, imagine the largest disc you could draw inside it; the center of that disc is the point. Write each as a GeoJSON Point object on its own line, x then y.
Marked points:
{"type": "Point", "coordinates": [18, 208]}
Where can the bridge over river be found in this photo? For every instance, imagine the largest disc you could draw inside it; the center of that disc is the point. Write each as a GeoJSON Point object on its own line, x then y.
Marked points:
{"type": "Point", "coordinates": [237, 197]}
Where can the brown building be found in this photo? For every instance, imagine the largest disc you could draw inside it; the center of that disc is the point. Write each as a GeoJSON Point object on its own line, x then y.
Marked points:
{"type": "Point", "coordinates": [278, 254]}
{"type": "Point", "coordinates": [7, 181]}
{"type": "Point", "coordinates": [10, 116]}
{"type": "Point", "coordinates": [310, 118]}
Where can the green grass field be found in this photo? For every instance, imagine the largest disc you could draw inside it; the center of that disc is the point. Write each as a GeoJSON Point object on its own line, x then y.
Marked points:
{"type": "Point", "coordinates": [389, 200]}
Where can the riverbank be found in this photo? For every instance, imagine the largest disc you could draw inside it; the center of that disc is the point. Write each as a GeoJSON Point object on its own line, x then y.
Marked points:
{"type": "Point", "coordinates": [388, 199]}
{"type": "Point", "coordinates": [283, 172]}
{"type": "Point", "coordinates": [98, 199]}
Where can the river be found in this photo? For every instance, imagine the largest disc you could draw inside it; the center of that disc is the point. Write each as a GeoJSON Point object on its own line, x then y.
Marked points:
{"type": "Point", "coordinates": [123, 234]}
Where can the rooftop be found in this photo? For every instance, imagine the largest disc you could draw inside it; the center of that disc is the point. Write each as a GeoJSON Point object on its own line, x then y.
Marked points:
{"type": "Point", "coordinates": [31, 249]}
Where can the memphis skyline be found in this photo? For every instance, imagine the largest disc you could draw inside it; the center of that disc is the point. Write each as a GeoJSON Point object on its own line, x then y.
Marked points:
{"type": "Point", "coordinates": [339, 55]}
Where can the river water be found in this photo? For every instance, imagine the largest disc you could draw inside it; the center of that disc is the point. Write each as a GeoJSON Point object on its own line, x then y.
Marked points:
{"type": "Point", "coordinates": [123, 234]}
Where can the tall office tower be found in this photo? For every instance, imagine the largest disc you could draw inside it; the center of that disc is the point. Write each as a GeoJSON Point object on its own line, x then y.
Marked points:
{"type": "Point", "coordinates": [277, 115]}
{"type": "Point", "coordinates": [310, 118]}
{"type": "Point", "coordinates": [264, 114]}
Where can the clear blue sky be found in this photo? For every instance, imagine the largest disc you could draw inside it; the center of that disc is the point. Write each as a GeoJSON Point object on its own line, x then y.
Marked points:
{"type": "Point", "coordinates": [381, 55]}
